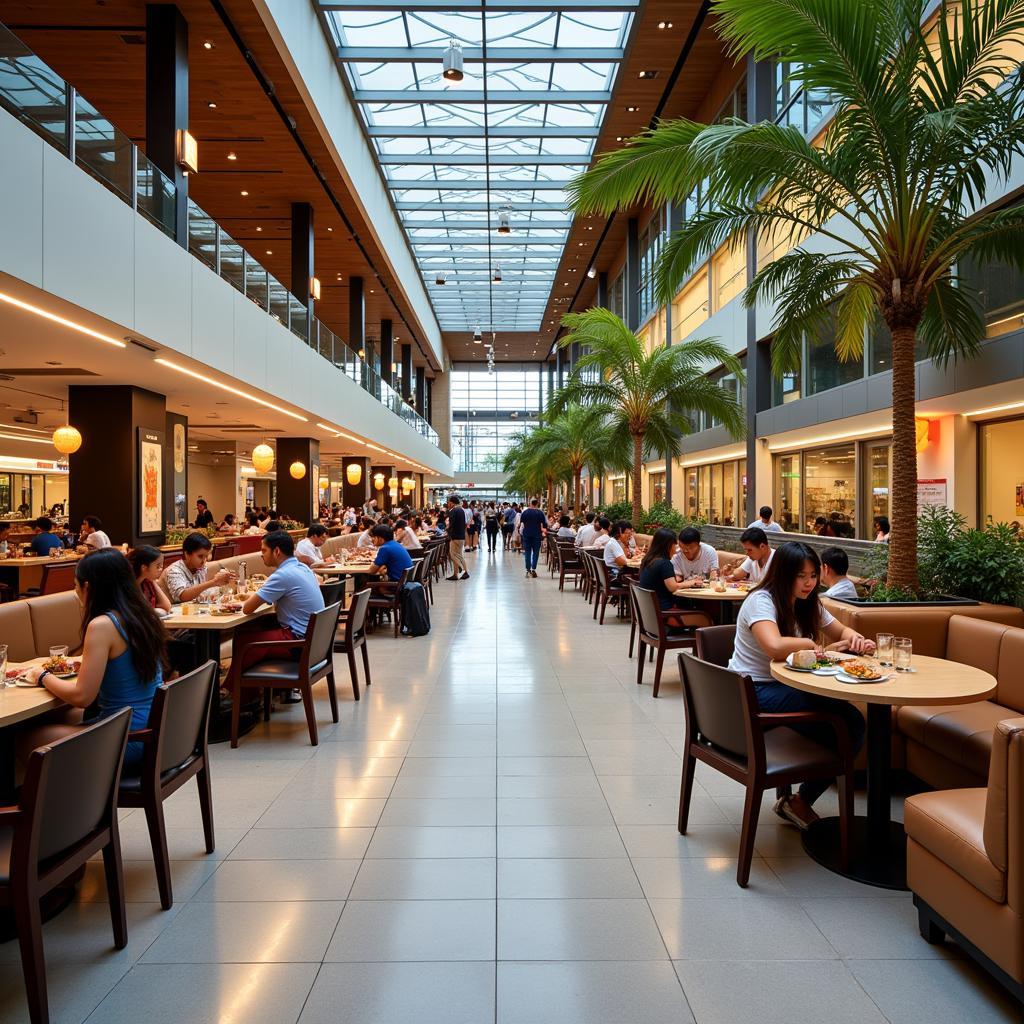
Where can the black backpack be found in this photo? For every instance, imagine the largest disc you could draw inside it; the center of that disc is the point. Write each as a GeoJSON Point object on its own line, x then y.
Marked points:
{"type": "Point", "coordinates": [415, 616]}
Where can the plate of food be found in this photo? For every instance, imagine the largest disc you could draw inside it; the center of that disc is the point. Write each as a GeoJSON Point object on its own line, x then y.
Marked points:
{"type": "Point", "coordinates": [61, 667]}
{"type": "Point", "coordinates": [861, 670]}
{"type": "Point", "coordinates": [808, 661]}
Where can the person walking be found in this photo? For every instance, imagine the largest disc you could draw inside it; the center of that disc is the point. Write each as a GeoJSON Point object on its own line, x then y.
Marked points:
{"type": "Point", "coordinates": [491, 521]}
{"type": "Point", "coordinates": [457, 517]}
{"type": "Point", "coordinates": [531, 527]}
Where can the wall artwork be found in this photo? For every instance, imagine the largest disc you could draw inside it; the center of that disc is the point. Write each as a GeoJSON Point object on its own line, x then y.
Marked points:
{"type": "Point", "coordinates": [151, 484]}
{"type": "Point", "coordinates": [1020, 499]}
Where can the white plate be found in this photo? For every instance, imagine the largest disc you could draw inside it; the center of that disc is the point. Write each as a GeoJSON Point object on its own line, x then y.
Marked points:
{"type": "Point", "coordinates": [815, 671]}
{"type": "Point", "coordinates": [844, 678]}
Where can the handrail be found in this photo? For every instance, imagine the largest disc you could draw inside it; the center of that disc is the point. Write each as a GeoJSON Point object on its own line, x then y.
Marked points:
{"type": "Point", "coordinates": [38, 97]}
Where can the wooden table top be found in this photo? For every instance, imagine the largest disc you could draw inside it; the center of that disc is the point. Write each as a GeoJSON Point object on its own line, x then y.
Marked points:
{"type": "Point", "coordinates": [207, 620]}
{"type": "Point", "coordinates": [20, 703]}
{"type": "Point", "coordinates": [345, 569]}
{"type": "Point", "coordinates": [933, 681]}
{"type": "Point", "coordinates": [709, 594]}
{"type": "Point", "coordinates": [68, 556]}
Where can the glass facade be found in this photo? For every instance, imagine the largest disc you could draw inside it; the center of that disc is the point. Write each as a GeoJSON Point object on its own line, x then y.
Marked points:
{"type": "Point", "coordinates": [1001, 496]}
{"type": "Point", "coordinates": [488, 409]}
{"type": "Point", "coordinates": [717, 492]}
{"type": "Point", "coordinates": [656, 487]}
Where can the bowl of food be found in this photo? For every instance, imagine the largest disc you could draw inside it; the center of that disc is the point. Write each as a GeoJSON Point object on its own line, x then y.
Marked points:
{"type": "Point", "coordinates": [60, 666]}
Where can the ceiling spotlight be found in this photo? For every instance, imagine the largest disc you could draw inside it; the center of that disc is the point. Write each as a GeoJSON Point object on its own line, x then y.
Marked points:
{"type": "Point", "coordinates": [258, 228]}
{"type": "Point", "coordinates": [231, 156]}
{"type": "Point", "coordinates": [243, 192]}
{"type": "Point", "coordinates": [478, 336]}
{"type": "Point", "coordinates": [648, 74]}
{"type": "Point", "coordinates": [664, 24]}
{"type": "Point", "coordinates": [212, 105]}
{"type": "Point", "coordinates": [591, 272]}
{"type": "Point", "coordinates": [496, 277]}
{"type": "Point", "coordinates": [632, 110]}
{"type": "Point", "coordinates": [504, 227]}
{"type": "Point", "coordinates": [452, 62]}
{"type": "Point", "coordinates": [618, 138]}
{"type": "Point", "coordinates": [207, 45]}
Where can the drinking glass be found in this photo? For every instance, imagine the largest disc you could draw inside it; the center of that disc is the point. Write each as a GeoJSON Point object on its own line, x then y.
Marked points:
{"type": "Point", "coordinates": [55, 552]}
{"type": "Point", "coordinates": [3, 666]}
{"type": "Point", "coordinates": [903, 650]}
{"type": "Point", "coordinates": [59, 651]}
{"type": "Point", "coordinates": [883, 648]}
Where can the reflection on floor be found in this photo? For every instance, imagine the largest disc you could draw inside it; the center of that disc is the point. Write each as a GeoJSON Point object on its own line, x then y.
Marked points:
{"type": "Point", "coordinates": [489, 835]}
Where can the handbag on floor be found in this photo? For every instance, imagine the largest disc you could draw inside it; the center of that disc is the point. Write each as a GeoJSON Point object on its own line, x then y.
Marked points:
{"type": "Point", "coordinates": [415, 616]}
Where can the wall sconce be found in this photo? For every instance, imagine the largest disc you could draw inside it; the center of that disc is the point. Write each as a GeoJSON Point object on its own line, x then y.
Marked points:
{"type": "Point", "coordinates": [297, 470]}
{"type": "Point", "coordinates": [314, 288]}
{"type": "Point", "coordinates": [187, 152]}
{"type": "Point", "coordinates": [354, 473]}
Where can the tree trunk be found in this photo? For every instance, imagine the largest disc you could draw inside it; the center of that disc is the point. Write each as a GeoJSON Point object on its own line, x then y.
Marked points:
{"type": "Point", "coordinates": [576, 479]}
{"type": "Point", "coordinates": [638, 454]}
{"type": "Point", "coordinates": [551, 494]}
{"type": "Point", "coordinates": [903, 486]}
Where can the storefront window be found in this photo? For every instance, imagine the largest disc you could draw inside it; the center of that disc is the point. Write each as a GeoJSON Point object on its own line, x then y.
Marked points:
{"type": "Point", "coordinates": [825, 370]}
{"type": "Point", "coordinates": [830, 488]}
{"type": "Point", "coordinates": [657, 481]}
{"type": "Point", "coordinates": [717, 492]}
{"type": "Point", "coordinates": [787, 492]}
{"type": "Point", "coordinates": [878, 473]}
{"type": "Point", "coordinates": [1002, 471]}
{"type": "Point", "coordinates": [691, 492]}
{"type": "Point", "coordinates": [618, 488]}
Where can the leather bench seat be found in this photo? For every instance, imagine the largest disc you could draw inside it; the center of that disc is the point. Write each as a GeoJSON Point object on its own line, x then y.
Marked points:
{"type": "Point", "coordinates": [962, 734]}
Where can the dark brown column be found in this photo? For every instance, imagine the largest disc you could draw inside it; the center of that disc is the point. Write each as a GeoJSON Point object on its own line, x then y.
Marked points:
{"type": "Point", "coordinates": [384, 502]}
{"type": "Point", "coordinates": [167, 100]}
{"type": "Point", "coordinates": [387, 351]}
{"type": "Point", "coordinates": [295, 498]}
{"type": "Point", "coordinates": [421, 391]}
{"type": "Point", "coordinates": [406, 367]}
{"type": "Point", "coordinates": [356, 494]}
{"type": "Point", "coordinates": [106, 473]}
{"type": "Point", "coordinates": [302, 258]}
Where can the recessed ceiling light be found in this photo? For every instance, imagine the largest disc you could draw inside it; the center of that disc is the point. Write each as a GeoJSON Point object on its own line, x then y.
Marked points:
{"type": "Point", "coordinates": [632, 110]}
{"type": "Point", "coordinates": [212, 105]}
{"type": "Point", "coordinates": [618, 138]}
{"type": "Point", "coordinates": [648, 74]}
{"type": "Point", "coordinates": [664, 24]}
{"type": "Point", "coordinates": [270, 252]}
{"type": "Point", "coordinates": [231, 156]}
{"type": "Point", "coordinates": [207, 45]}
{"type": "Point", "coordinates": [244, 193]}
{"type": "Point", "coordinates": [330, 229]}
{"type": "Point", "coordinates": [258, 228]}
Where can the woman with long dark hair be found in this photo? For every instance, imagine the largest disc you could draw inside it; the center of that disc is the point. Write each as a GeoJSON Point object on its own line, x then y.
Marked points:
{"type": "Point", "coordinates": [147, 563]}
{"type": "Point", "coordinates": [124, 645]}
{"type": "Point", "coordinates": [656, 570]}
{"type": "Point", "coordinates": [778, 617]}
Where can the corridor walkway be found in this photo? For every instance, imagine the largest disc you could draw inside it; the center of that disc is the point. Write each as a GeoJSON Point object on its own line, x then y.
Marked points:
{"type": "Point", "coordinates": [489, 835]}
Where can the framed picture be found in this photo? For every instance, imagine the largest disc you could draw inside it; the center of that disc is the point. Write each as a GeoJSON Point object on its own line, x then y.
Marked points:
{"type": "Point", "coordinates": [151, 481]}
{"type": "Point", "coordinates": [316, 492]}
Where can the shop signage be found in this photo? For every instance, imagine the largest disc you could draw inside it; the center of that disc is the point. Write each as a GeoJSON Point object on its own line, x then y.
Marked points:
{"type": "Point", "coordinates": [930, 492]}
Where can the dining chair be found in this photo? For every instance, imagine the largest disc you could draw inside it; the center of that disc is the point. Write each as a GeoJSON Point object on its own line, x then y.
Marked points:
{"type": "Point", "coordinates": [56, 578]}
{"type": "Point", "coordinates": [67, 812]}
{"type": "Point", "coordinates": [715, 644]}
{"type": "Point", "coordinates": [760, 750]}
{"type": "Point", "coordinates": [608, 586]}
{"type": "Point", "coordinates": [387, 597]}
{"type": "Point", "coordinates": [661, 631]}
{"type": "Point", "coordinates": [352, 635]}
{"type": "Point", "coordinates": [333, 591]}
{"type": "Point", "coordinates": [284, 672]}
{"type": "Point", "coordinates": [174, 751]}
{"type": "Point", "coordinates": [568, 565]}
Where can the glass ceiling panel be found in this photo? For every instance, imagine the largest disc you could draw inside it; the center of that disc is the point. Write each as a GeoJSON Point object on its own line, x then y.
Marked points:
{"type": "Point", "coordinates": [459, 156]}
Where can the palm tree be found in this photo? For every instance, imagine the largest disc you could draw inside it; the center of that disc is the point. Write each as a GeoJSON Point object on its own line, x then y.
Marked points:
{"type": "Point", "coordinates": [528, 468]}
{"type": "Point", "coordinates": [646, 397]}
{"type": "Point", "coordinates": [927, 120]}
{"type": "Point", "coordinates": [578, 437]}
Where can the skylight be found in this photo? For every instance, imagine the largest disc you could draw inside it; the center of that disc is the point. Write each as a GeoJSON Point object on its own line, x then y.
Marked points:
{"type": "Point", "coordinates": [505, 139]}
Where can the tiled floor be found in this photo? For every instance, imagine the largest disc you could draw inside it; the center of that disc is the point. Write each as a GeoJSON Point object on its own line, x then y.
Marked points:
{"type": "Point", "coordinates": [489, 836]}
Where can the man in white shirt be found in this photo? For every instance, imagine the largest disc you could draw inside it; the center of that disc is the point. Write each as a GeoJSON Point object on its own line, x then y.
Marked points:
{"type": "Point", "coordinates": [759, 556]}
{"type": "Point", "coordinates": [602, 533]}
{"type": "Point", "coordinates": [694, 560]}
{"type": "Point", "coordinates": [587, 531]}
{"type": "Point", "coordinates": [364, 540]}
{"type": "Point", "coordinates": [92, 536]}
{"type": "Point", "coordinates": [835, 564]}
{"type": "Point", "coordinates": [766, 522]}
{"type": "Point", "coordinates": [618, 542]}
{"type": "Point", "coordinates": [307, 550]}
{"type": "Point", "coordinates": [406, 535]}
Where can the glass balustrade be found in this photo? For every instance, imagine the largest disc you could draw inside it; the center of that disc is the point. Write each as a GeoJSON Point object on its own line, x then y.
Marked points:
{"type": "Point", "coordinates": [39, 98]}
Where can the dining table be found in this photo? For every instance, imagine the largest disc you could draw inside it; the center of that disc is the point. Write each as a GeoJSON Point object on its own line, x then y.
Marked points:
{"type": "Point", "coordinates": [878, 854]}
{"type": "Point", "coordinates": [209, 626]}
{"type": "Point", "coordinates": [25, 571]}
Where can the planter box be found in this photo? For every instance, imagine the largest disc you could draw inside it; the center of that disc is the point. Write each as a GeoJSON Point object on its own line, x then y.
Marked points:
{"type": "Point", "coordinates": [944, 601]}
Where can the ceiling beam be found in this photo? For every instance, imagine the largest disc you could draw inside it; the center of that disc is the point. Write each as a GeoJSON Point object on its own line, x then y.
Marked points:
{"type": "Point", "coordinates": [495, 54]}
{"type": "Point", "coordinates": [447, 206]}
{"type": "Point", "coordinates": [378, 131]}
{"type": "Point", "coordinates": [519, 97]}
{"type": "Point", "coordinates": [462, 185]}
{"type": "Point", "coordinates": [499, 159]}
{"type": "Point", "coordinates": [482, 225]}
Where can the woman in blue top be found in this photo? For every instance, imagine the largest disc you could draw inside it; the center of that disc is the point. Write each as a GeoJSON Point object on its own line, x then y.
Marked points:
{"type": "Point", "coordinates": [123, 648]}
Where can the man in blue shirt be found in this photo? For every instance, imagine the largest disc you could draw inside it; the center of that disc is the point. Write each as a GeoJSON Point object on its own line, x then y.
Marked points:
{"type": "Point", "coordinates": [531, 527]}
{"type": "Point", "coordinates": [45, 539]}
{"type": "Point", "coordinates": [457, 538]}
{"type": "Point", "coordinates": [294, 592]}
{"type": "Point", "coordinates": [392, 559]}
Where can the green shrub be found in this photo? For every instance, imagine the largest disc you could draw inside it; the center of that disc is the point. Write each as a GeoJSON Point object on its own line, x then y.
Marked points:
{"type": "Point", "coordinates": [617, 510]}
{"type": "Point", "coordinates": [982, 565]}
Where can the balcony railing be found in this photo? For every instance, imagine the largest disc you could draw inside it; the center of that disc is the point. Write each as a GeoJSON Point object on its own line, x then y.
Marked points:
{"type": "Point", "coordinates": [42, 100]}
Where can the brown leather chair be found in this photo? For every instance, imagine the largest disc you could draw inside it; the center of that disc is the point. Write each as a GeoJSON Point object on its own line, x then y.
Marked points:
{"type": "Point", "coordinates": [57, 577]}
{"type": "Point", "coordinates": [656, 632]}
{"type": "Point", "coordinates": [316, 662]}
{"type": "Point", "coordinates": [386, 596]}
{"type": "Point", "coordinates": [725, 730]}
{"type": "Point", "coordinates": [174, 751]}
{"type": "Point", "coordinates": [352, 624]}
{"type": "Point", "coordinates": [569, 564]}
{"type": "Point", "coordinates": [608, 586]}
{"type": "Point", "coordinates": [67, 813]}
{"type": "Point", "coordinates": [965, 862]}
{"type": "Point", "coordinates": [716, 643]}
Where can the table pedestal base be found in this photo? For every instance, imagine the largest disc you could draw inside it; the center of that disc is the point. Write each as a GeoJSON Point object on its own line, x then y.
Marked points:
{"type": "Point", "coordinates": [882, 864]}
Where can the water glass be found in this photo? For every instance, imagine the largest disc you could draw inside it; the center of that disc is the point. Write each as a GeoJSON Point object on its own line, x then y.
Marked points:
{"type": "Point", "coordinates": [903, 650]}
{"type": "Point", "coordinates": [883, 648]}
{"type": "Point", "coordinates": [59, 651]}
{"type": "Point", "coordinates": [3, 667]}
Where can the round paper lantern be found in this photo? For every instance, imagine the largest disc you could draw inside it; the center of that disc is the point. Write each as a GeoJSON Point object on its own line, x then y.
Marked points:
{"type": "Point", "coordinates": [297, 470]}
{"type": "Point", "coordinates": [393, 483]}
{"type": "Point", "coordinates": [378, 481]}
{"type": "Point", "coordinates": [408, 484]}
{"type": "Point", "coordinates": [353, 473]}
{"type": "Point", "coordinates": [67, 440]}
{"type": "Point", "coordinates": [263, 458]}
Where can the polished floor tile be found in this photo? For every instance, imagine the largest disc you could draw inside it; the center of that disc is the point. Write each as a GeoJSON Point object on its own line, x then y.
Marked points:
{"type": "Point", "coordinates": [489, 837]}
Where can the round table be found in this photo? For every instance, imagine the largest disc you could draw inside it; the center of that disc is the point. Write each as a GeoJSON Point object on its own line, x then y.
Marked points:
{"type": "Point", "coordinates": [879, 847]}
